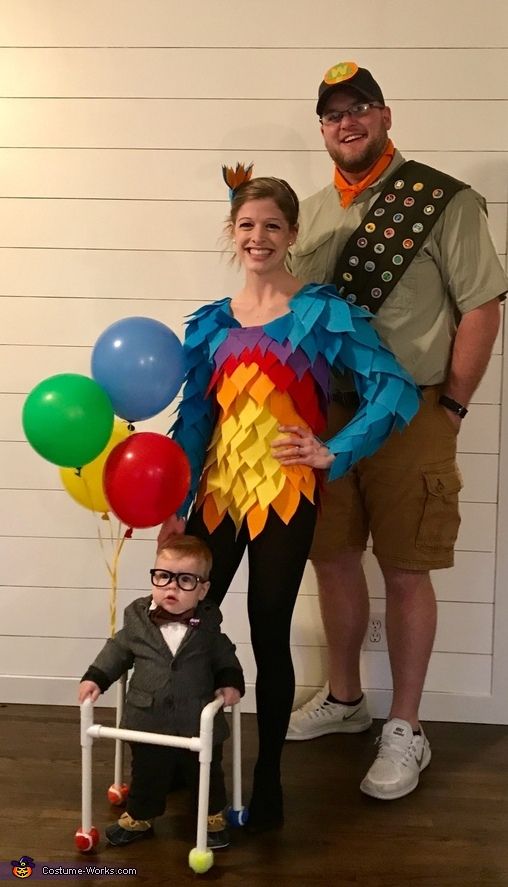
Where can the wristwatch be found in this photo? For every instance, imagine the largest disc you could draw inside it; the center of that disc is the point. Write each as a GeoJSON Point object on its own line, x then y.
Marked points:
{"type": "Point", "coordinates": [453, 405]}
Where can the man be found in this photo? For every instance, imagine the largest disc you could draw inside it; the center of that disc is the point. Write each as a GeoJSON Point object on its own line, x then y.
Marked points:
{"type": "Point", "coordinates": [412, 245]}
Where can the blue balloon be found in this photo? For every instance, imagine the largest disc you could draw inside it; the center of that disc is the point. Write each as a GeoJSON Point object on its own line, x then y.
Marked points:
{"type": "Point", "coordinates": [140, 363]}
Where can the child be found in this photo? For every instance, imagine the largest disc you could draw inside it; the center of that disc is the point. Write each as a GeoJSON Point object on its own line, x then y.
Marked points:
{"type": "Point", "coordinates": [181, 660]}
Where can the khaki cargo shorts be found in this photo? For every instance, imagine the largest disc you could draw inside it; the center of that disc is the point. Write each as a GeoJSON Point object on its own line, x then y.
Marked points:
{"type": "Point", "coordinates": [405, 496]}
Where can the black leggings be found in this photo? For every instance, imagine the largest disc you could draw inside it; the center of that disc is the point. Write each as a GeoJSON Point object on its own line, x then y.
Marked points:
{"type": "Point", "coordinates": [277, 558]}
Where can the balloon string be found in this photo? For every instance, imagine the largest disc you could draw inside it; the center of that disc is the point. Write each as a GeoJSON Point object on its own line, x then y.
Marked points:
{"type": "Point", "coordinates": [120, 543]}
{"type": "Point", "coordinates": [112, 568]}
{"type": "Point", "coordinates": [114, 581]}
{"type": "Point", "coordinates": [87, 490]}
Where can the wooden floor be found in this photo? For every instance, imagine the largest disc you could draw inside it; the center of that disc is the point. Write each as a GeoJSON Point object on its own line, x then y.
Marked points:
{"type": "Point", "coordinates": [451, 832]}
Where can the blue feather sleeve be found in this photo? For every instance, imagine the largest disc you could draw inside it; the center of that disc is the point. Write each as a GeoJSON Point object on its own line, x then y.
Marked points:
{"type": "Point", "coordinates": [389, 398]}
{"type": "Point", "coordinates": [195, 420]}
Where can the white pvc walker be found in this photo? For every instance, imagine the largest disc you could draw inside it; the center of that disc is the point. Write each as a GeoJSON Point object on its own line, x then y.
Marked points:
{"type": "Point", "coordinates": [200, 857]}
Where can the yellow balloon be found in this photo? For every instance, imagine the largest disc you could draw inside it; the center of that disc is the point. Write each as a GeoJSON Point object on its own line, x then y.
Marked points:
{"type": "Point", "coordinates": [86, 488]}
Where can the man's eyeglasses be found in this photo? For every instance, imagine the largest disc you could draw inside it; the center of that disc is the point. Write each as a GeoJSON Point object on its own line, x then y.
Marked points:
{"type": "Point", "coordinates": [185, 581]}
{"type": "Point", "coordinates": [332, 118]}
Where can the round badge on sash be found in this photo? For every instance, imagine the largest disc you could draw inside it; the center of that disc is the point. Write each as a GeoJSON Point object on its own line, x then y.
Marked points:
{"type": "Point", "coordinates": [387, 276]}
{"type": "Point", "coordinates": [376, 293]}
{"type": "Point", "coordinates": [351, 298]}
{"type": "Point", "coordinates": [361, 242]}
{"type": "Point", "coordinates": [418, 186]}
{"type": "Point", "coordinates": [409, 201]}
{"type": "Point", "coordinates": [370, 227]}
{"type": "Point", "coordinates": [347, 276]}
{"type": "Point", "coordinates": [399, 184]}
{"type": "Point", "coordinates": [397, 259]}
{"type": "Point", "coordinates": [437, 193]}
{"type": "Point", "coordinates": [408, 243]}
{"type": "Point", "coordinates": [390, 198]}
{"type": "Point", "coordinates": [398, 217]}
{"type": "Point", "coordinates": [429, 209]}
{"type": "Point", "coordinates": [379, 248]}
{"type": "Point", "coordinates": [389, 232]}
{"type": "Point", "coordinates": [354, 261]}
{"type": "Point", "coordinates": [370, 266]}
{"type": "Point", "coordinates": [417, 227]}
{"type": "Point", "coordinates": [379, 211]}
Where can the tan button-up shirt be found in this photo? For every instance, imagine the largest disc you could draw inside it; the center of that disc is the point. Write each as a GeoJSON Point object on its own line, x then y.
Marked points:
{"type": "Point", "coordinates": [457, 269]}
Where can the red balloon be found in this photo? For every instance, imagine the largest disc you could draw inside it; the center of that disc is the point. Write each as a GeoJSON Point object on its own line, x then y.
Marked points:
{"type": "Point", "coordinates": [146, 478]}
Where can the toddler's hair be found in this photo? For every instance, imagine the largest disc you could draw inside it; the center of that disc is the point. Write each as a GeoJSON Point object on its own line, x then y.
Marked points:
{"type": "Point", "coordinates": [189, 546]}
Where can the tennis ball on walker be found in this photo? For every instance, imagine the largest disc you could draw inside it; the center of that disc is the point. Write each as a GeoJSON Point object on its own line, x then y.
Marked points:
{"type": "Point", "coordinates": [237, 818]}
{"type": "Point", "coordinates": [200, 860]}
{"type": "Point", "coordinates": [86, 841]}
{"type": "Point", "coordinates": [117, 794]}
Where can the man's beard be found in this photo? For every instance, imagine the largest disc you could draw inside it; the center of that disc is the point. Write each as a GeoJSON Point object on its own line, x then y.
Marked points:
{"type": "Point", "coordinates": [365, 160]}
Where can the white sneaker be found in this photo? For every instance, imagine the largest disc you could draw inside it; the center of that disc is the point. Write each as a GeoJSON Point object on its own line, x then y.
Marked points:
{"type": "Point", "coordinates": [317, 717]}
{"type": "Point", "coordinates": [401, 757]}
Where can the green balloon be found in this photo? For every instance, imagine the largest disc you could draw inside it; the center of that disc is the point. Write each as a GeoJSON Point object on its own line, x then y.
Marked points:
{"type": "Point", "coordinates": [68, 419]}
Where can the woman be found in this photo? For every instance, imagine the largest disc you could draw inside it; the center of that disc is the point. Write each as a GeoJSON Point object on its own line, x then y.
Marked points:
{"type": "Point", "coordinates": [258, 367]}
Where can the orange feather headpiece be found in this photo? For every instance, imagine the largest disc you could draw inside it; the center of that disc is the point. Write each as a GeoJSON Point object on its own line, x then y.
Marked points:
{"type": "Point", "coordinates": [236, 177]}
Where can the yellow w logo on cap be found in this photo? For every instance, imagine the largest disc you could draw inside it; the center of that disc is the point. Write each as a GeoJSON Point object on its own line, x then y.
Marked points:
{"type": "Point", "coordinates": [341, 71]}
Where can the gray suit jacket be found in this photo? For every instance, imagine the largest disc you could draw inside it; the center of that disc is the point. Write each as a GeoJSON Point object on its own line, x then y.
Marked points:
{"type": "Point", "coordinates": [167, 693]}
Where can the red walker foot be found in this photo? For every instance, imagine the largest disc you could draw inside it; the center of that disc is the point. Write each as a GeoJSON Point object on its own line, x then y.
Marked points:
{"type": "Point", "coordinates": [86, 841]}
{"type": "Point", "coordinates": [117, 794]}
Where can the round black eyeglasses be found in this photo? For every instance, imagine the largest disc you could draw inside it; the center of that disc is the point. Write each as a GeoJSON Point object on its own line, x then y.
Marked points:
{"type": "Point", "coordinates": [185, 581]}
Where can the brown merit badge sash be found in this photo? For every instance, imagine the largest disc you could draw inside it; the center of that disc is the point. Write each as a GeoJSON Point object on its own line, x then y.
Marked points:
{"type": "Point", "coordinates": [389, 236]}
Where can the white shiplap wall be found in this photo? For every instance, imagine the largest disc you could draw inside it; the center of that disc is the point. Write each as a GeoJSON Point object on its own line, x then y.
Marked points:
{"type": "Point", "coordinates": [115, 117]}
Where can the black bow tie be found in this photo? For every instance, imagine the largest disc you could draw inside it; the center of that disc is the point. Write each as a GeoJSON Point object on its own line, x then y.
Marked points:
{"type": "Point", "coordinates": [160, 616]}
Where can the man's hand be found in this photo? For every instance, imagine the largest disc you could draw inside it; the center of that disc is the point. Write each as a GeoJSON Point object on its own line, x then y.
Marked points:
{"type": "Point", "coordinates": [172, 526]}
{"type": "Point", "coordinates": [454, 418]}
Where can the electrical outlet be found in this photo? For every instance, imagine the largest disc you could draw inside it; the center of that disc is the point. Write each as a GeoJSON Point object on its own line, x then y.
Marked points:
{"type": "Point", "coordinates": [375, 636]}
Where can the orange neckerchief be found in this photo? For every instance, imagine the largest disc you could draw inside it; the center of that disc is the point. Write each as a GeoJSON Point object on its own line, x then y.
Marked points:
{"type": "Point", "coordinates": [349, 191]}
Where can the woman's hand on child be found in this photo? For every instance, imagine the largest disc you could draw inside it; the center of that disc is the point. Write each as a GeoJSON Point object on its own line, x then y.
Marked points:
{"type": "Point", "coordinates": [301, 447]}
{"type": "Point", "coordinates": [231, 695]}
{"type": "Point", "coordinates": [88, 690]}
{"type": "Point", "coordinates": [172, 526]}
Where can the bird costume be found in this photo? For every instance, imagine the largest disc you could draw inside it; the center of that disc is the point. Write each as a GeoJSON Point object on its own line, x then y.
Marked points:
{"type": "Point", "coordinates": [243, 382]}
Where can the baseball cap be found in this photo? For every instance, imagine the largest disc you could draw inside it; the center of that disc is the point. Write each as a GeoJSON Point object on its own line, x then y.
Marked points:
{"type": "Point", "coordinates": [348, 74]}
